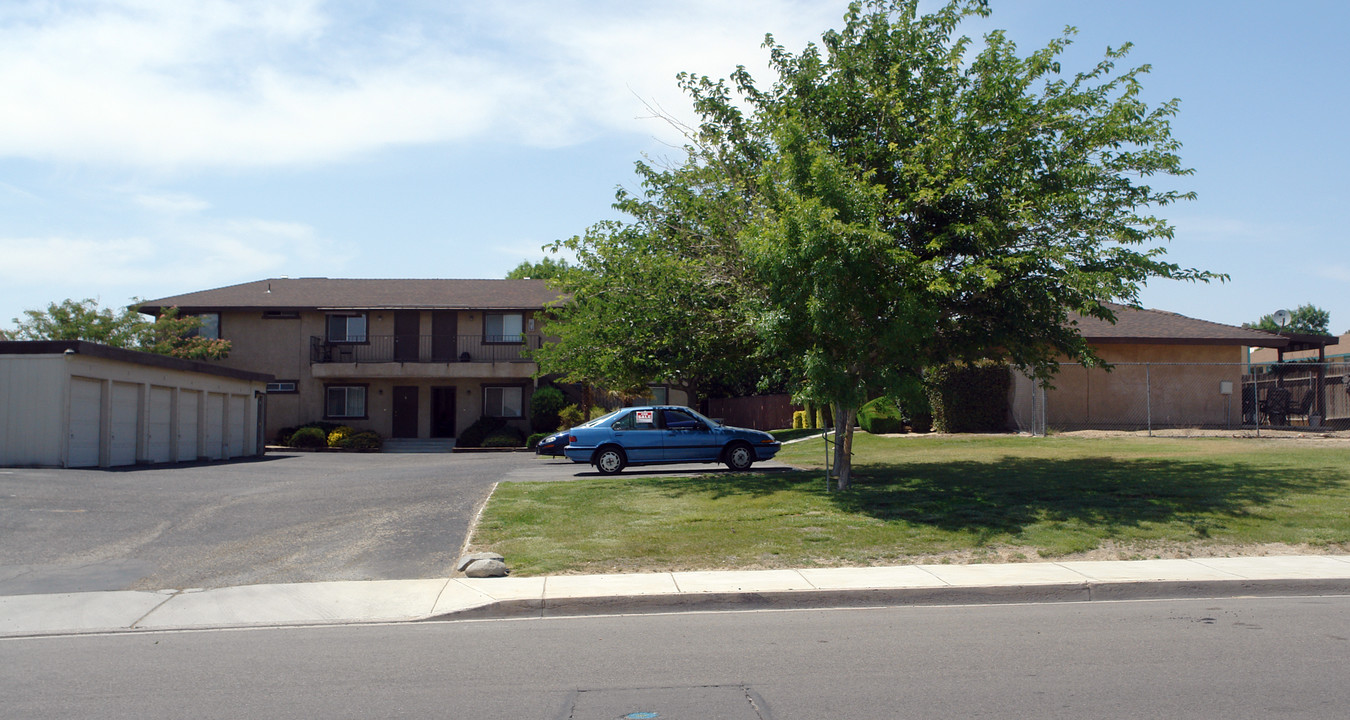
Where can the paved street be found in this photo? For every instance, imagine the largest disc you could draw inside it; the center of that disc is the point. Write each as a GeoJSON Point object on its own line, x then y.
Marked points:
{"type": "Point", "coordinates": [285, 518]}
{"type": "Point", "coordinates": [1235, 658]}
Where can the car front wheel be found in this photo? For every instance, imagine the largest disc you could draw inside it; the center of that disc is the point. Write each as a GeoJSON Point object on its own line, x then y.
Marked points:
{"type": "Point", "coordinates": [740, 457]}
{"type": "Point", "coordinates": [610, 460]}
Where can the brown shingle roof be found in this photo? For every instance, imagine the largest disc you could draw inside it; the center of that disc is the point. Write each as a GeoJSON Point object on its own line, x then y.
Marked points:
{"type": "Point", "coordinates": [365, 294]}
{"type": "Point", "coordinates": [1135, 325]}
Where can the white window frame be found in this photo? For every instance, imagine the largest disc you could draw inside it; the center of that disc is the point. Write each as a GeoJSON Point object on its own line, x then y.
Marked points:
{"type": "Point", "coordinates": [495, 401]}
{"type": "Point", "coordinates": [282, 387]}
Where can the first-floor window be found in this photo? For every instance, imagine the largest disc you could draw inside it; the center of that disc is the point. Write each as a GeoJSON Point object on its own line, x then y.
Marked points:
{"type": "Point", "coordinates": [281, 387]}
{"type": "Point", "coordinates": [346, 401]}
{"type": "Point", "coordinates": [503, 402]}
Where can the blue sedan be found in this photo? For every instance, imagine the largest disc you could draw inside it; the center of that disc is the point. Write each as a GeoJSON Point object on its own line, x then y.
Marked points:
{"type": "Point", "coordinates": [665, 434]}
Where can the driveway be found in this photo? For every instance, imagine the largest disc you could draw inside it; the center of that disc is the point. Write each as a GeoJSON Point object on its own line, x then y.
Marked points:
{"type": "Point", "coordinates": [284, 518]}
{"type": "Point", "coordinates": [287, 517]}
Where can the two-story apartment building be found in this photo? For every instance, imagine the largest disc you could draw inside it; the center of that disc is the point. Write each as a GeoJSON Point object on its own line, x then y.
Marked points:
{"type": "Point", "coordinates": [405, 358]}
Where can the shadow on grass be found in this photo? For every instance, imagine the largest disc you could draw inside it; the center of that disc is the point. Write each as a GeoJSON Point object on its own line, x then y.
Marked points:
{"type": "Point", "coordinates": [1007, 495]}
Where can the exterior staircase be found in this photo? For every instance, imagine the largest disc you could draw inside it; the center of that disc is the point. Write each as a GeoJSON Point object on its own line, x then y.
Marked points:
{"type": "Point", "coordinates": [419, 445]}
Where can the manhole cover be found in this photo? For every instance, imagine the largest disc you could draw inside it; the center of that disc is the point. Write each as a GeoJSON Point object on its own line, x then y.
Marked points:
{"type": "Point", "coordinates": [709, 702]}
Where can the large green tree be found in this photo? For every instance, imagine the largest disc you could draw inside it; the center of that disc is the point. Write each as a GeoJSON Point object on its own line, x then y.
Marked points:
{"type": "Point", "coordinates": [168, 334]}
{"type": "Point", "coordinates": [81, 320]}
{"type": "Point", "coordinates": [917, 204]}
{"type": "Point", "coordinates": [1308, 319]}
{"type": "Point", "coordinates": [658, 297]}
{"type": "Point", "coordinates": [547, 268]}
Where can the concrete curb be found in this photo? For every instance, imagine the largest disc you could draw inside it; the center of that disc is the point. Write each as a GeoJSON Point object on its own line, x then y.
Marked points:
{"type": "Point", "coordinates": [895, 597]}
{"type": "Point", "coordinates": [457, 598]}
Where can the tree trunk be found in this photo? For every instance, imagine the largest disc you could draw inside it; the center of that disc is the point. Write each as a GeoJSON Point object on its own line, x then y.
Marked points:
{"type": "Point", "coordinates": [843, 443]}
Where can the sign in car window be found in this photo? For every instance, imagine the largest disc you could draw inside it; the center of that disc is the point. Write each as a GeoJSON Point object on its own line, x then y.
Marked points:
{"type": "Point", "coordinates": [644, 417]}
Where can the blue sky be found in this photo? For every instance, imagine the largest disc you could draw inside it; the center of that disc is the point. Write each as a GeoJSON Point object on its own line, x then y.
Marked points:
{"type": "Point", "coordinates": [155, 147]}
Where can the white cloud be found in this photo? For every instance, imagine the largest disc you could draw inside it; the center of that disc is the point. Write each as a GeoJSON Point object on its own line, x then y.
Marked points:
{"type": "Point", "coordinates": [163, 83]}
{"type": "Point", "coordinates": [180, 254]}
{"type": "Point", "coordinates": [171, 203]}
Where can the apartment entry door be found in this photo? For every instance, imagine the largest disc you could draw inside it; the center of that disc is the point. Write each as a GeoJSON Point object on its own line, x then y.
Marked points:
{"type": "Point", "coordinates": [443, 412]}
{"type": "Point", "coordinates": [406, 327]}
{"type": "Point", "coordinates": [405, 411]}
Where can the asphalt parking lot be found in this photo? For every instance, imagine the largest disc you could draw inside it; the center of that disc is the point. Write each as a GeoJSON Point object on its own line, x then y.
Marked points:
{"type": "Point", "coordinates": [284, 518]}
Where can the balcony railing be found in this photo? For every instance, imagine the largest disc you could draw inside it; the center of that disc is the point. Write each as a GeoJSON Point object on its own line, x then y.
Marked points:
{"type": "Point", "coordinates": [423, 349]}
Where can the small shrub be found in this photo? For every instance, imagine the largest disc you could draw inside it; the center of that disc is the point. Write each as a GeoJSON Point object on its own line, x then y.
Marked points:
{"type": "Point", "coordinates": [503, 440]}
{"type": "Point", "coordinates": [366, 440]}
{"type": "Point", "coordinates": [569, 417]}
{"type": "Point", "coordinates": [340, 434]}
{"type": "Point", "coordinates": [545, 404]}
{"type": "Point", "coordinates": [881, 415]}
{"type": "Point", "coordinates": [824, 416]}
{"type": "Point", "coordinates": [532, 441]}
{"type": "Point", "coordinates": [799, 420]}
{"type": "Point", "coordinates": [283, 436]}
{"type": "Point", "coordinates": [308, 437]}
{"type": "Point", "coordinates": [483, 428]}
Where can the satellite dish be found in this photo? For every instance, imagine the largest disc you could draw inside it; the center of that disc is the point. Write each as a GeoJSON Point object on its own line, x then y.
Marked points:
{"type": "Point", "coordinates": [1282, 318]}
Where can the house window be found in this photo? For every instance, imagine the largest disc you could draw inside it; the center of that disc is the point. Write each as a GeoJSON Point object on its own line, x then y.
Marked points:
{"type": "Point", "coordinates": [345, 401]}
{"type": "Point", "coordinates": [210, 327]}
{"type": "Point", "coordinates": [346, 328]}
{"type": "Point", "coordinates": [503, 327]}
{"type": "Point", "coordinates": [281, 387]}
{"type": "Point", "coordinates": [502, 402]}
{"type": "Point", "coordinates": [660, 394]}
{"type": "Point", "coordinates": [281, 315]}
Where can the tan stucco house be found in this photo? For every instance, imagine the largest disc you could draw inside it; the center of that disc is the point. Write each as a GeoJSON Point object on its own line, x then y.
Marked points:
{"type": "Point", "coordinates": [406, 358]}
{"type": "Point", "coordinates": [1169, 370]}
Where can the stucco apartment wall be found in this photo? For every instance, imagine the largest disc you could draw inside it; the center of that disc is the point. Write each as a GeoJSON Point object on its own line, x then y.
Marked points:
{"type": "Point", "coordinates": [1166, 385]}
{"type": "Point", "coordinates": [281, 347]}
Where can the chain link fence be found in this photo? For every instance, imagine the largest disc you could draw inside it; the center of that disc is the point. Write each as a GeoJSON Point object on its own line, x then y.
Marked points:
{"type": "Point", "coordinates": [1186, 398]}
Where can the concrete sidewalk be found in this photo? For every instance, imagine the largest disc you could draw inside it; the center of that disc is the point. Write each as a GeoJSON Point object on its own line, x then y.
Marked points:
{"type": "Point", "coordinates": [331, 603]}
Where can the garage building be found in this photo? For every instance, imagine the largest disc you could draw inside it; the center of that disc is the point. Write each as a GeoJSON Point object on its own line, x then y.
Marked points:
{"type": "Point", "coordinates": [81, 404]}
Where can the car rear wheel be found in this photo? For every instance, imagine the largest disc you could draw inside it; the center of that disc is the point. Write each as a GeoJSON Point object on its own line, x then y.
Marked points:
{"type": "Point", "coordinates": [610, 460]}
{"type": "Point", "coordinates": [740, 456]}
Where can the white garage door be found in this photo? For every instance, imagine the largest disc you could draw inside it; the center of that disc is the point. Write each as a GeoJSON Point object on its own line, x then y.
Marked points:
{"type": "Point", "coordinates": [187, 426]}
{"type": "Point", "coordinates": [86, 397]}
{"type": "Point", "coordinates": [238, 425]}
{"type": "Point", "coordinates": [215, 426]}
{"type": "Point", "coordinates": [159, 426]}
{"type": "Point", "coordinates": [125, 418]}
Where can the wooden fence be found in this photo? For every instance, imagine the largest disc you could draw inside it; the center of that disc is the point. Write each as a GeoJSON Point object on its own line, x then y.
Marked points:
{"type": "Point", "coordinates": [765, 412]}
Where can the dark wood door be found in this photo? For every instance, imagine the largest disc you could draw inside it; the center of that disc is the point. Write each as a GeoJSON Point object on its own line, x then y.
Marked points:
{"type": "Point", "coordinates": [444, 328]}
{"type": "Point", "coordinates": [442, 412]}
{"type": "Point", "coordinates": [406, 328]}
{"type": "Point", "coordinates": [405, 411]}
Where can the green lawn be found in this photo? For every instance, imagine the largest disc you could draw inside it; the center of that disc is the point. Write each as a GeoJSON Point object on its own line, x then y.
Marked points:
{"type": "Point", "coordinates": [935, 499]}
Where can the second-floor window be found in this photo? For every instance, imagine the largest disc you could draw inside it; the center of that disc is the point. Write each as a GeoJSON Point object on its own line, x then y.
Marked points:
{"type": "Point", "coordinates": [346, 328]}
{"type": "Point", "coordinates": [503, 327]}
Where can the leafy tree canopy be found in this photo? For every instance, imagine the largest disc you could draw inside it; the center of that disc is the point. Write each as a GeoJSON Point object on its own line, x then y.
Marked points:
{"type": "Point", "coordinates": [891, 200]}
{"type": "Point", "coordinates": [1306, 319]}
{"type": "Point", "coordinates": [546, 269]}
{"type": "Point", "coordinates": [81, 320]}
{"type": "Point", "coordinates": [168, 334]}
